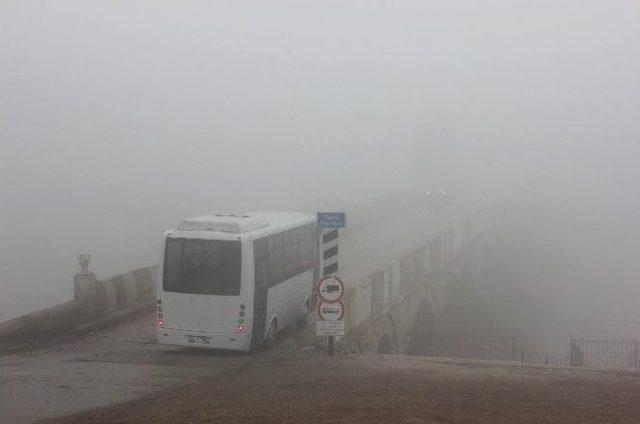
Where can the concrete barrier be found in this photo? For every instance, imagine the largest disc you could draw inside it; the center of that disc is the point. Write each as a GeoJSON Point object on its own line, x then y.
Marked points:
{"type": "Point", "coordinates": [95, 301]}
{"type": "Point", "coordinates": [41, 323]}
{"type": "Point", "coordinates": [131, 290]}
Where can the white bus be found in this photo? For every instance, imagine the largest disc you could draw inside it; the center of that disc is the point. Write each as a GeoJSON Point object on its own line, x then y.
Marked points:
{"type": "Point", "coordinates": [232, 282]}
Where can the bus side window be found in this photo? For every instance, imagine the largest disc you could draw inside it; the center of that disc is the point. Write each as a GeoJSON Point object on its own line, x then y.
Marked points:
{"type": "Point", "coordinates": [262, 273]}
{"type": "Point", "coordinates": [276, 259]}
{"type": "Point", "coordinates": [261, 257]}
{"type": "Point", "coordinates": [300, 251]}
{"type": "Point", "coordinates": [291, 260]}
{"type": "Point", "coordinates": [272, 243]}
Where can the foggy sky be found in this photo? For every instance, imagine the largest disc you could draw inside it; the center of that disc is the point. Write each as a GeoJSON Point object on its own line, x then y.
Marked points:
{"type": "Point", "coordinates": [118, 118]}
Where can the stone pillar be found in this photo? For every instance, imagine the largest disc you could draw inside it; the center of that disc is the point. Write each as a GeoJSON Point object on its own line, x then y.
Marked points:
{"type": "Point", "coordinates": [84, 286]}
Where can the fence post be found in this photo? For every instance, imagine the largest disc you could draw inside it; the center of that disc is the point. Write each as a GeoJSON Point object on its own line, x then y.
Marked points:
{"type": "Point", "coordinates": [577, 355]}
{"type": "Point", "coordinates": [572, 352]}
{"type": "Point", "coordinates": [636, 364]}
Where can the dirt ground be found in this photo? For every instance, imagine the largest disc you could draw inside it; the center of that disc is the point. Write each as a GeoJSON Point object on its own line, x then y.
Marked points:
{"type": "Point", "coordinates": [387, 389]}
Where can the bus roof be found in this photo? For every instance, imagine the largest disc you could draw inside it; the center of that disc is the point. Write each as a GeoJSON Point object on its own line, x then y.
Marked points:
{"type": "Point", "coordinates": [252, 224]}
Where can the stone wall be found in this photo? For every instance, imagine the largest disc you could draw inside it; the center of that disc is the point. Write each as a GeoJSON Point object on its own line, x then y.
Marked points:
{"type": "Point", "coordinates": [383, 305]}
{"type": "Point", "coordinates": [123, 292]}
{"type": "Point", "coordinates": [95, 301]}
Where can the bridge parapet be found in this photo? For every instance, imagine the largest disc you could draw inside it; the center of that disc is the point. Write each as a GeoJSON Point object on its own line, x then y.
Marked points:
{"type": "Point", "coordinates": [381, 306]}
{"type": "Point", "coordinates": [95, 301]}
{"type": "Point", "coordinates": [118, 294]}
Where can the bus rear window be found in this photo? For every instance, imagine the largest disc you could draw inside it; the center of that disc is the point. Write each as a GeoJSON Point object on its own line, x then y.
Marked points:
{"type": "Point", "coordinates": [202, 267]}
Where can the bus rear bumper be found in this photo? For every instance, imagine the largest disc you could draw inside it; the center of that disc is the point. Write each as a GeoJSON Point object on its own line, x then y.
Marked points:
{"type": "Point", "coordinates": [198, 339]}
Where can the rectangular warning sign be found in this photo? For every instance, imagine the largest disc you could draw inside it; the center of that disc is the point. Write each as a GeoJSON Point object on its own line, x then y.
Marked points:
{"type": "Point", "coordinates": [330, 328]}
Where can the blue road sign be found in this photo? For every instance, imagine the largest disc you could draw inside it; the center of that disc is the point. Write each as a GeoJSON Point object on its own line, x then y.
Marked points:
{"type": "Point", "coordinates": [332, 220]}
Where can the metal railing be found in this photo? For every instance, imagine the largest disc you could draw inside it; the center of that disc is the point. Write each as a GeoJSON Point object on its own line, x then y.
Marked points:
{"type": "Point", "coordinates": [597, 353]}
{"type": "Point", "coordinates": [583, 352]}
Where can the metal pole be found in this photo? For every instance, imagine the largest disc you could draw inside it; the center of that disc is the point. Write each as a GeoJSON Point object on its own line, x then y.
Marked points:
{"type": "Point", "coordinates": [636, 364]}
{"type": "Point", "coordinates": [331, 346]}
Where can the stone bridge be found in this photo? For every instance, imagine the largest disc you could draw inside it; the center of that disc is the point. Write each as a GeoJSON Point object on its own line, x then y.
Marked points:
{"type": "Point", "coordinates": [393, 305]}
{"type": "Point", "coordinates": [98, 301]}
{"type": "Point", "coordinates": [398, 307]}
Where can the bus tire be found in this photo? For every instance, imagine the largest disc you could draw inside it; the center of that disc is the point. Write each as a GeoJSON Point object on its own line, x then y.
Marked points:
{"type": "Point", "coordinates": [272, 332]}
{"type": "Point", "coordinates": [302, 319]}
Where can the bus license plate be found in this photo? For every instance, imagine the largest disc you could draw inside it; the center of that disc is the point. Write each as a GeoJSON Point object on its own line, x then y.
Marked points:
{"type": "Point", "coordinates": [198, 339]}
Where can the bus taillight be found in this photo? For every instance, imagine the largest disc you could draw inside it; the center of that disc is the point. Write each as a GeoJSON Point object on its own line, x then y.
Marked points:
{"type": "Point", "coordinates": [159, 318]}
{"type": "Point", "coordinates": [240, 328]}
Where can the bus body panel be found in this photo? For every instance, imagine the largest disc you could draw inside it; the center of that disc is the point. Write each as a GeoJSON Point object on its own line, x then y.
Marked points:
{"type": "Point", "coordinates": [226, 341]}
{"type": "Point", "coordinates": [209, 314]}
{"type": "Point", "coordinates": [283, 302]}
{"type": "Point", "coordinates": [187, 314]}
{"type": "Point", "coordinates": [286, 300]}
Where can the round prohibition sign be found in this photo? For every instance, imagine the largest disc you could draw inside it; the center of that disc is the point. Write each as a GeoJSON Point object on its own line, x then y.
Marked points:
{"type": "Point", "coordinates": [330, 289]}
{"type": "Point", "coordinates": [333, 311]}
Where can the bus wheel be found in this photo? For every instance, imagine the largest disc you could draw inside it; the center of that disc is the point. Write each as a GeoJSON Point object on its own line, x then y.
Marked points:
{"type": "Point", "coordinates": [271, 334]}
{"type": "Point", "coordinates": [301, 320]}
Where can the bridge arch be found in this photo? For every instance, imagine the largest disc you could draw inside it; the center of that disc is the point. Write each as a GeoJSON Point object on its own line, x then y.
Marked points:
{"type": "Point", "coordinates": [423, 330]}
{"type": "Point", "coordinates": [384, 346]}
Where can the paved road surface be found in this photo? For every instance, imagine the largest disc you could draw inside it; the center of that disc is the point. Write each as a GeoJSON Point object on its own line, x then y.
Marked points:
{"type": "Point", "coordinates": [390, 389]}
{"type": "Point", "coordinates": [99, 369]}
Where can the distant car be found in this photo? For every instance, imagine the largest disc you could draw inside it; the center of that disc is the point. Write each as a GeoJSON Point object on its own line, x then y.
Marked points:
{"type": "Point", "coordinates": [436, 194]}
{"type": "Point", "coordinates": [438, 199]}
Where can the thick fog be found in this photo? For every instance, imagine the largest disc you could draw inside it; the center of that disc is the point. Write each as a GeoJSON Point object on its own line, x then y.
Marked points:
{"type": "Point", "coordinates": [119, 118]}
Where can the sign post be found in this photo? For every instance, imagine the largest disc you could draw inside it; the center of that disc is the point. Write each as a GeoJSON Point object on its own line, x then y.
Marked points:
{"type": "Point", "coordinates": [330, 288]}
{"type": "Point", "coordinates": [329, 223]}
{"type": "Point", "coordinates": [330, 310]}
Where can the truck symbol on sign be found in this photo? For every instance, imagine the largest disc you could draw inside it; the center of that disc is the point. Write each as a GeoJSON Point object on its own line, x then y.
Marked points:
{"type": "Point", "coordinates": [330, 289]}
